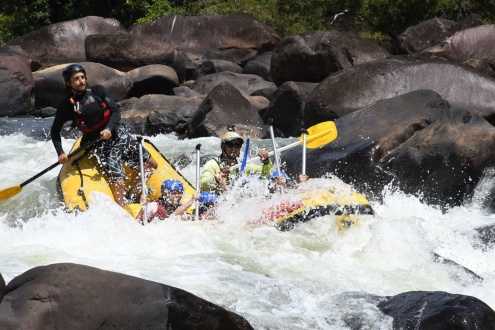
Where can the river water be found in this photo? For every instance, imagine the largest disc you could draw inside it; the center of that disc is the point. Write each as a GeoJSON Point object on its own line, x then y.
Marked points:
{"type": "Point", "coordinates": [311, 277]}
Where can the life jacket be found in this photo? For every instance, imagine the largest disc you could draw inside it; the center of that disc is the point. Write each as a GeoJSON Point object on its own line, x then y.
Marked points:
{"type": "Point", "coordinates": [162, 212]}
{"type": "Point", "coordinates": [91, 112]}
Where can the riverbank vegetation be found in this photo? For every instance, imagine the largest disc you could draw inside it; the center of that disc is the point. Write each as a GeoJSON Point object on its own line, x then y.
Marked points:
{"type": "Point", "coordinates": [379, 20]}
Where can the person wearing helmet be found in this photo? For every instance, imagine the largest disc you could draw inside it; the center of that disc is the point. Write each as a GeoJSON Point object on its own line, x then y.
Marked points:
{"type": "Point", "coordinates": [208, 205]}
{"type": "Point", "coordinates": [169, 203]}
{"type": "Point", "coordinates": [94, 112]}
{"type": "Point", "coordinates": [216, 174]}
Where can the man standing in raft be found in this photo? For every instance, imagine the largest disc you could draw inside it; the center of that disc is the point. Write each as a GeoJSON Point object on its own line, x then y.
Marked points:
{"type": "Point", "coordinates": [216, 174]}
{"type": "Point", "coordinates": [93, 111]}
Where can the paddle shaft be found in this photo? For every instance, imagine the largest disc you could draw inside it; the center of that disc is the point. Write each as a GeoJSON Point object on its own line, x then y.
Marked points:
{"type": "Point", "coordinates": [304, 134]}
{"type": "Point", "coordinates": [143, 179]}
{"type": "Point", "coordinates": [274, 144]}
{"type": "Point", "coordinates": [51, 167]}
{"type": "Point", "coordinates": [198, 166]}
{"type": "Point", "coordinates": [270, 153]}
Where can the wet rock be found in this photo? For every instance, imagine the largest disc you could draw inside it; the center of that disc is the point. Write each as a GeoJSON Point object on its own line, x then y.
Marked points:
{"type": "Point", "coordinates": [71, 296]}
{"type": "Point", "coordinates": [417, 140]}
{"type": "Point", "coordinates": [438, 310]}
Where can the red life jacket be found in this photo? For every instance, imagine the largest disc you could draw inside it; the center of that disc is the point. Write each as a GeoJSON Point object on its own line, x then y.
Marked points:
{"type": "Point", "coordinates": [91, 112]}
{"type": "Point", "coordinates": [162, 213]}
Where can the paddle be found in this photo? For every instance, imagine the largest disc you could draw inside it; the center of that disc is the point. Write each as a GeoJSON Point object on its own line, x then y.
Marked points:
{"type": "Point", "coordinates": [12, 191]}
{"type": "Point", "coordinates": [246, 153]}
{"type": "Point", "coordinates": [198, 166]}
{"type": "Point", "coordinates": [318, 135]}
{"type": "Point", "coordinates": [272, 137]}
{"type": "Point", "coordinates": [304, 144]}
{"type": "Point", "coordinates": [277, 161]}
{"type": "Point", "coordinates": [143, 178]}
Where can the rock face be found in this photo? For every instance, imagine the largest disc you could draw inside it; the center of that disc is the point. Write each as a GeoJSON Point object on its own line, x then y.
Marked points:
{"type": "Point", "coordinates": [474, 43]}
{"type": "Point", "coordinates": [433, 31]}
{"type": "Point", "coordinates": [225, 105]}
{"type": "Point", "coordinates": [360, 86]}
{"type": "Point", "coordinates": [417, 140]}
{"type": "Point", "coordinates": [437, 310]}
{"type": "Point", "coordinates": [16, 86]}
{"type": "Point", "coordinates": [70, 296]}
{"type": "Point", "coordinates": [287, 108]}
{"type": "Point", "coordinates": [201, 34]}
{"type": "Point", "coordinates": [64, 42]}
{"type": "Point", "coordinates": [49, 88]}
{"type": "Point", "coordinates": [313, 55]}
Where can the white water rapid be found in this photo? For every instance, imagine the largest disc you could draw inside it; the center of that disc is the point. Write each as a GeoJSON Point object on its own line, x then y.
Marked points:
{"type": "Point", "coordinates": [311, 277]}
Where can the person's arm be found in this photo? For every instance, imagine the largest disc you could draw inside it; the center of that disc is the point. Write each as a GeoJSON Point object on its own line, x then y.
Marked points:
{"type": "Point", "coordinates": [183, 208]}
{"type": "Point", "coordinates": [262, 170]}
{"type": "Point", "coordinates": [63, 114]}
{"type": "Point", "coordinates": [207, 179]}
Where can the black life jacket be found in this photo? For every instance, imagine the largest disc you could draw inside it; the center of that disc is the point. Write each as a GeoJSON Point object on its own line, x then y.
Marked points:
{"type": "Point", "coordinates": [91, 112]}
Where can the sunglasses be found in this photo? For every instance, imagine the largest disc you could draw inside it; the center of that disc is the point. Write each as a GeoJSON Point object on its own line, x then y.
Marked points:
{"type": "Point", "coordinates": [233, 145]}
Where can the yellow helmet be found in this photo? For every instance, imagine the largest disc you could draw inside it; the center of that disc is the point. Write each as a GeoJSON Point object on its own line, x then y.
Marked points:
{"type": "Point", "coordinates": [229, 136]}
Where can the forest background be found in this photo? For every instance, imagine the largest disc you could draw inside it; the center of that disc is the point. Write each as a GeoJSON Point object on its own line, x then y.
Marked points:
{"type": "Point", "coordinates": [379, 20]}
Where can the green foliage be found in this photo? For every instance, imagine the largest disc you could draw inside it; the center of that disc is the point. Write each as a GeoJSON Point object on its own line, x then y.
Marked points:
{"type": "Point", "coordinates": [380, 20]}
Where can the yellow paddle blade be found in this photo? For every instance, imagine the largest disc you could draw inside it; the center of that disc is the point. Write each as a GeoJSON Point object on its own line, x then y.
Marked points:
{"type": "Point", "coordinates": [320, 134]}
{"type": "Point", "coordinates": [10, 192]}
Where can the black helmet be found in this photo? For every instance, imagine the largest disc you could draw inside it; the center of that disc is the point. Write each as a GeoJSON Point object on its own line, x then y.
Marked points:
{"type": "Point", "coordinates": [69, 70]}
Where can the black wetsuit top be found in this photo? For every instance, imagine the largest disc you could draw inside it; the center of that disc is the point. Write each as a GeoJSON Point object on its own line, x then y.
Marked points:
{"type": "Point", "coordinates": [65, 112]}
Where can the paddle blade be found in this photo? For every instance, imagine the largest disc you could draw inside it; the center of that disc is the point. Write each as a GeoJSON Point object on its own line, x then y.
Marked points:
{"type": "Point", "coordinates": [320, 134]}
{"type": "Point", "coordinates": [10, 192]}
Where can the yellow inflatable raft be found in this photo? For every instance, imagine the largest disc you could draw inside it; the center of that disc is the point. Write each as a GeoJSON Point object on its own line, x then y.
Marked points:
{"type": "Point", "coordinates": [286, 213]}
{"type": "Point", "coordinates": [81, 176]}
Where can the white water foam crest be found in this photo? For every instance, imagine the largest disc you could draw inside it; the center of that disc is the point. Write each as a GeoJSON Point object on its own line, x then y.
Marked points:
{"type": "Point", "coordinates": [312, 276]}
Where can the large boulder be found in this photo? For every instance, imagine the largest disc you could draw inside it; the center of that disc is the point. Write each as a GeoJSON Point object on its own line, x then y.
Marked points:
{"type": "Point", "coordinates": [313, 55]}
{"type": "Point", "coordinates": [50, 90]}
{"type": "Point", "coordinates": [259, 66]}
{"type": "Point", "coordinates": [2, 287]}
{"type": "Point", "coordinates": [16, 86]}
{"type": "Point", "coordinates": [64, 42]}
{"type": "Point", "coordinates": [473, 43]}
{"type": "Point", "coordinates": [71, 296]}
{"type": "Point", "coordinates": [157, 113]}
{"type": "Point", "coordinates": [224, 106]}
{"type": "Point", "coordinates": [362, 85]}
{"type": "Point", "coordinates": [415, 140]}
{"type": "Point", "coordinates": [246, 83]}
{"type": "Point", "coordinates": [215, 66]}
{"type": "Point", "coordinates": [152, 79]}
{"type": "Point", "coordinates": [124, 51]}
{"type": "Point", "coordinates": [438, 310]}
{"type": "Point", "coordinates": [433, 31]}
{"type": "Point", "coordinates": [220, 33]}
{"type": "Point", "coordinates": [287, 108]}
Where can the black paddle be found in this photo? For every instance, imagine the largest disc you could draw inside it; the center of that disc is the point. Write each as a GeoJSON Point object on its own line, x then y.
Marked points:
{"type": "Point", "coordinates": [12, 191]}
